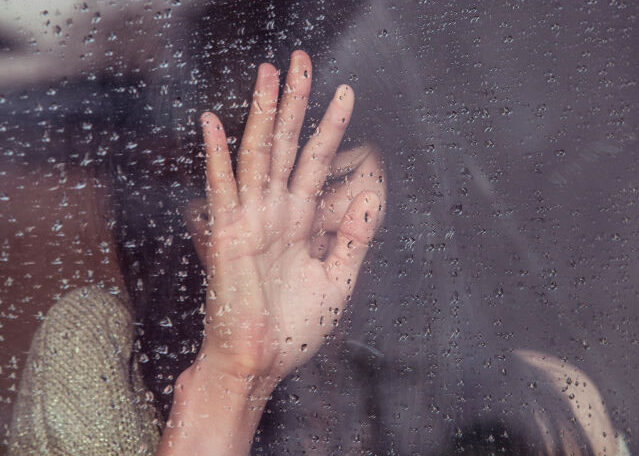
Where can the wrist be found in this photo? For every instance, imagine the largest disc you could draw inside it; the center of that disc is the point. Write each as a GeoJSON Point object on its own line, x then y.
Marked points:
{"type": "Point", "coordinates": [203, 380]}
{"type": "Point", "coordinates": [214, 412]}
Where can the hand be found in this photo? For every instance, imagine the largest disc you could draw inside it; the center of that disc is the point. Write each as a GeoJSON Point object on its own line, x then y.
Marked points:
{"type": "Point", "coordinates": [351, 172]}
{"type": "Point", "coordinates": [281, 264]}
{"type": "Point", "coordinates": [269, 301]}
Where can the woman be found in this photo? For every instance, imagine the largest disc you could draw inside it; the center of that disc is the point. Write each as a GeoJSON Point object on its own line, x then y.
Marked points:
{"type": "Point", "coordinates": [263, 233]}
{"type": "Point", "coordinates": [251, 341]}
{"type": "Point", "coordinates": [413, 306]}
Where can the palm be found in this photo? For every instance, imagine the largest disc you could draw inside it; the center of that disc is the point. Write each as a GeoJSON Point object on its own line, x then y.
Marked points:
{"type": "Point", "coordinates": [269, 303]}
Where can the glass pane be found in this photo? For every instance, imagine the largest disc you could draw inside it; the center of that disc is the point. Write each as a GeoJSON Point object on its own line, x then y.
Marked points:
{"type": "Point", "coordinates": [456, 275]}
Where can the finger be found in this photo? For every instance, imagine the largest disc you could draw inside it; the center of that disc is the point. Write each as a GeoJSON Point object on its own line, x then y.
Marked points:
{"type": "Point", "coordinates": [196, 216]}
{"type": "Point", "coordinates": [254, 157]}
{"type": "Point", "coordinates": [221, 188]}
{"type": "Point", "coordinates": [355, 232]}
{"type": "Point", "coordinates": [318, 153]}
{"type": "Point", "coordinates": [336, 199]}
{"type": "Point", "coordinates": [359, 169]}
{"type": "Point", "coordinates": [290, 118]}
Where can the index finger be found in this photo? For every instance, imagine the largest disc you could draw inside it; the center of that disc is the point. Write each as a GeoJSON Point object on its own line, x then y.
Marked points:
{"type": "Point", "coordinates": [221, 188]}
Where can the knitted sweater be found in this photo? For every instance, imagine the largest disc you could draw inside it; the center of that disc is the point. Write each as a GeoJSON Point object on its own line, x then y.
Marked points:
{"type": "Point", "coordinates": [80, 393]}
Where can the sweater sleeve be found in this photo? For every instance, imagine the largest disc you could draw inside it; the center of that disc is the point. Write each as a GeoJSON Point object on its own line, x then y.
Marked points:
{"type": "Point", "coordinates": [78, 393]}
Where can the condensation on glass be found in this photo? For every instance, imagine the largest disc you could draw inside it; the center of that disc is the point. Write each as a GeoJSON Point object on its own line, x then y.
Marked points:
{"type": "Point", "coordinates": [497, 306]}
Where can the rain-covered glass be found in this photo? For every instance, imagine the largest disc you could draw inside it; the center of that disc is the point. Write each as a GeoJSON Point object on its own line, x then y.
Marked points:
{"type": "Point", "coordinates": [457, 274]}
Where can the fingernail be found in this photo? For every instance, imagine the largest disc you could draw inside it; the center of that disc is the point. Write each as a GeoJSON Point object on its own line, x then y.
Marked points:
{"type": "Point", "coordinates": [268, 72]}
{"type": "Point", "coordinates": [373, 207]}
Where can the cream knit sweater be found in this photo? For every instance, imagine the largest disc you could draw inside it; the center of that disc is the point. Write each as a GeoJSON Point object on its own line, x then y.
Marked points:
{"type": "Point", "coordinates": [80, 394]}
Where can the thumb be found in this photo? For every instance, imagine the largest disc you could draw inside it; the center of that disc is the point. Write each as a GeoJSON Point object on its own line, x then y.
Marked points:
{"type": "Point", "coordinates": [354, 234]}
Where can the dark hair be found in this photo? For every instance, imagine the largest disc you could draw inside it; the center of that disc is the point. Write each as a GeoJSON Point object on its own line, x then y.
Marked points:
{"type": "Point", "coordinates": [490, 439]}
{"type": "Point", "coordinates": [464, 270]}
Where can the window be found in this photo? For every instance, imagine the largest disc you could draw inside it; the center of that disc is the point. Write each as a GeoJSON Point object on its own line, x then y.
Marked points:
{"type": "Point", "coordinates": [495, 309]}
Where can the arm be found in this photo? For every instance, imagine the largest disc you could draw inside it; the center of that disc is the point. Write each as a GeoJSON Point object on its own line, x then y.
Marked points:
{"type": "Point", "coordinates": [270, 301]}
{"type": "Point", "coordinates": [213, 413]}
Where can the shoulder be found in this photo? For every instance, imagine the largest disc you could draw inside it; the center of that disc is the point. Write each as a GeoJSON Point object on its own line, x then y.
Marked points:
{"type": "Point", "coordinates": [77, 394]}
{"type": "Point", "coordinates": [91, 304]}
{"type": "Point", "coordinates": [89, 321]}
